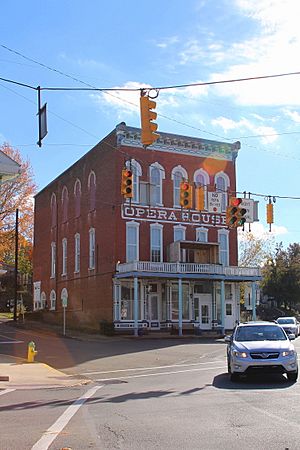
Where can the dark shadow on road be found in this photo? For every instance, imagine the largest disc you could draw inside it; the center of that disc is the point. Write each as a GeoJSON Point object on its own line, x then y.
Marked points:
{"type": "Point", "coordinates": [262, 381]}
{"type": "Point", "coordinates": [65, 353]}
{"type": "Point", "coordinates": [137, 396]}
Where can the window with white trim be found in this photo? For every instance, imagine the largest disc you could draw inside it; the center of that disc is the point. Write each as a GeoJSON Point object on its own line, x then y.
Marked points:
{"type": "Point", "coordinates": [53, 206]}
{"type": "Point", "coordinates": [157, 174]}
{"type": "Point", "coordinates": [52, 299]}
{"type": "Point", "coordinates": [136, 174]}
{"type": "Point", "coordinates": [77, 253]}
{"type": "Point", "coordinates": [132, 241]}
{"type": "Point", "coordinates": [92, 190]}
{"type": "Point", "coordinates": [178, 175]}
{"type": "Point", "coordinates": [201, 179]}
{"type": "Point", "coordinates": [156, 242]}
{"type": "Point", "coordinates": [53, 259]}
{"type": "Point", "coordinates": [179, 233]}
{"type": "Point", "coordinates": [223, 239]}
{"type": "Point", "coordinates": [77, 197]}
{"type": "Point", "coordinates": [92, 248]}
{"type": "Point", "coordinates": [201, 234]}
{"type": "Point", "coordinates": [222, 184]}
{"type": "Point", "coordinates": [64, 256]}
{"type": "Point", "coordinates": [65, 204]}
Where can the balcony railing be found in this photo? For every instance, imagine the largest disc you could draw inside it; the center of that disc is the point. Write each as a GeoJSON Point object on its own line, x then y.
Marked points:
{"type": "Point", "coordinates": [178, 267]}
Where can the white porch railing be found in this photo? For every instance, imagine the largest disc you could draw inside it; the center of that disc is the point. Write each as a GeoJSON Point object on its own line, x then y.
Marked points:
{"type": "Point", "coordinates": [177, 267]}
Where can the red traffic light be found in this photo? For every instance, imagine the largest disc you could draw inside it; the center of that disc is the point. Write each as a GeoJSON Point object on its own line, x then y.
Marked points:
{"type": "Point", "coordinates": [127, 173]}
{"type": "Point", "coordinates": [234, 201]}
{"type": "Point", "coordinates": [185, 186]}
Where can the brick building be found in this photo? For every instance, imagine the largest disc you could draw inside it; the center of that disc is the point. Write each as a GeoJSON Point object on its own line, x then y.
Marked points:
{"type": "Point", "coordinates": [143, 263]}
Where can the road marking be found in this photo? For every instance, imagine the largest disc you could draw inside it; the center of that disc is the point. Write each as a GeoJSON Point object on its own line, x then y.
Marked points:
{"type": "Point", "coordinates": [151, 368]}
{"type": "Point", "coordinates": [11, 342]}
{"type": "Point", "coordinates": [48, 437]}
{"type": "Point", "coordinates": [6, 391]}
{"type": "Point", "coordinates": [159, 373]}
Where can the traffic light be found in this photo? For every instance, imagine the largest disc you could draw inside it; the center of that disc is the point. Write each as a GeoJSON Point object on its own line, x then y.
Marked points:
{"type": "Point", "coordinates": [127, 183]}
{"type": "Point", "coordinates": [186, 195]}
{"type": "Point", "coordinates": [199, 198]}
{"type": "Point", "coordinates": [270, 213]}
{"type": "Point", "coordinates": [235, 213]}
{"type": "Point", "coordinates": [147, 115]}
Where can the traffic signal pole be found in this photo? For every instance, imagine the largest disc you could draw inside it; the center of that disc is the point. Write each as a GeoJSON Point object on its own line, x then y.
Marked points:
{"type": "Point", "coordinates": [16, 263]}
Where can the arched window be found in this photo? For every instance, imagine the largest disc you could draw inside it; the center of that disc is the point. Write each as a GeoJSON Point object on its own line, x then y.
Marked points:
{"type": "Point", "coordinates": [65, 204]}
{"type": "Point", "coordinates": [92, 248]}
{"type": "Point", "coordinates": [77, 197]}
{"type": "Point", "coordinates": [178, 175]}
{"type": "Point", "coordinates": [53, 207]}
{"type": "Point", "coordinates": [43, 300]}
{"type": "Point", "coordinates": [52, 299]}
{"type": "Point", "coordinates": [64, 256]}
{"type": "Point", "coordinates": [77, 253]}
{"type": "Point", "coordinates": [137, 172]}
{"type": "Point", "coordinates": [92, 190]}
{"type": "Point", "coordinates": [201, 179]}
{"type": "Point", "coordinates": [222, 184]}
{"type": "Point", "coordinates": [157, 174]}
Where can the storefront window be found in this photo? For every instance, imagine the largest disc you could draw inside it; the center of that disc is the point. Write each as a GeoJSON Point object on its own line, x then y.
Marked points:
{"type": "Point", "coordinates": [185, 302]}
{"type": "Point", "coordinates": [127, 302]}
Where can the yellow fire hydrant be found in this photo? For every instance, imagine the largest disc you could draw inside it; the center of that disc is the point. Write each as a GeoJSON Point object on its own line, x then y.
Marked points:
{"type": "Point", "coordinates": [32, 352]}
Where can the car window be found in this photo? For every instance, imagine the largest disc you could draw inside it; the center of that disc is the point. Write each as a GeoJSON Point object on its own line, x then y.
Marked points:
{"type": "Point", "coordinates": [286, 321]}
{"type": "Point", "coordinates": [259, 333]}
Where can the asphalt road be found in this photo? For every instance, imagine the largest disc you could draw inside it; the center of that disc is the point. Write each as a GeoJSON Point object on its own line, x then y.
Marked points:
{"type": "Point", "coordinates": [146, 394]}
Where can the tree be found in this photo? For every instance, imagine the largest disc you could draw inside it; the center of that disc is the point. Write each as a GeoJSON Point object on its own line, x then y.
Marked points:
{"type": "Point", "coordinates": [17, 194]}
{"type": "Point", "coordinates": [281, 276]}
{"type": "Point", "coordinates": [254, 250]}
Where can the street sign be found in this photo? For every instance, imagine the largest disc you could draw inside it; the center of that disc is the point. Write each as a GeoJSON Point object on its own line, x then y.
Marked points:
{"type": "Point", "coordinates": [64, 302]}
{"type": "Point", "coordinates": [214, 202]}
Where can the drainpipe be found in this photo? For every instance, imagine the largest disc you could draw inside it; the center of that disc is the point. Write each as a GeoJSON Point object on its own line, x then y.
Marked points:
{"type": "Point", "coordinates": [253, 300]}
{"type": "Point", "coordinates": [135, 305]}
{"type": "Point", "coordinates": [180, 307]}
{"type": "Point", "coordinates": [222, 306]}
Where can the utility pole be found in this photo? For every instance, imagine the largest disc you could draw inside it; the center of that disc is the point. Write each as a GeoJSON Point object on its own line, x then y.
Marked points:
{"type": "Point", "coordinates": [16, 263]}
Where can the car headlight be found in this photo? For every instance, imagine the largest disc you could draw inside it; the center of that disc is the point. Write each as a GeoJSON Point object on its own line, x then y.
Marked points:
{"type": "Point", "coordinates": [288, 353]}
{"type": "Point", "coordinates": [240, 354]}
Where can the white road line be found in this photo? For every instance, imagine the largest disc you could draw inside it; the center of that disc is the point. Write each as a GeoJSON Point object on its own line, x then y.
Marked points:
{"type": "Point", "coordinates": [11, 342]}
{"type": "Point", "coordinates": [6, 391]}
{"type": "Point", "coordinates": [150, 368]}
{"type": "Point", "coordinates": [156, 374]}
{"type": "Point", "coordinates": [48, 437]}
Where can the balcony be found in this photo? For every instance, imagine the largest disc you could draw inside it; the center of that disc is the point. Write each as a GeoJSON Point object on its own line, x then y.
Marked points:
{"type": "Point", "coordinates": [215, 270]}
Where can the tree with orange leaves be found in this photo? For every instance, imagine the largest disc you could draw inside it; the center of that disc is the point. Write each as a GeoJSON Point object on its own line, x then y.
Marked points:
{"type": "Point", "coordinates": [17, 194]}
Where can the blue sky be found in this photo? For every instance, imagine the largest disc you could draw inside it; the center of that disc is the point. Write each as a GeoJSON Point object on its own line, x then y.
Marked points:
{"type": "Point", "coordinates": [161, 43]}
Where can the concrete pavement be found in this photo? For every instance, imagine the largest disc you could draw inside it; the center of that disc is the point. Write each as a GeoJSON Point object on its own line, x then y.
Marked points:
{"type": "Point", "coordinates": [17, 373]}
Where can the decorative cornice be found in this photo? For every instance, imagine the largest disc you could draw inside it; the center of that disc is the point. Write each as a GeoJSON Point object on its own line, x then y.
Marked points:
{"type": "Point", "coordinates": [172, 143]}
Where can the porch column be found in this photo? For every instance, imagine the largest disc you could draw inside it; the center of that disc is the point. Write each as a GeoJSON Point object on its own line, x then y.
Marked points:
{"type": "Point", "coordinates": [253, 300]}
{"type": "Point", "coordinates": [222, 283]}
{"type": "Point", "coordinates": [135, 305]}
{"type": "Point", "coordinates": [180, 307]}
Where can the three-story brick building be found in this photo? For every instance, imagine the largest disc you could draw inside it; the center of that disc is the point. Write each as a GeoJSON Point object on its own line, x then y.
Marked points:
{"type": "Point", "coordinates": [143, 262]}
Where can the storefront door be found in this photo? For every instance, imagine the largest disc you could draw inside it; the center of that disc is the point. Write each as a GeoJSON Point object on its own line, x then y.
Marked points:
{"type": "Point", "coordinates": [202, 311]}
{"type": "Point", "coordinates": [153, 311]}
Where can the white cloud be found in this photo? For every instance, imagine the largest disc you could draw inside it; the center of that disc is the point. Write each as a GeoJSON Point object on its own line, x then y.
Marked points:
{"type": "Point", "coordinates": [265, 133]}
{"type": "Point", "coordinates": [259, 231]}
{"type": "Point", "coordinates": [167, 42]}
{"type": "Point", "coordinates": [294, 115]}
{"type": "Point", "coordinates": [126, 102]}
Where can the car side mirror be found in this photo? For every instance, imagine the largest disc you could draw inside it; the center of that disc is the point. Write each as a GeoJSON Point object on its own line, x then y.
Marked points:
{"type": "Point", "coordinates": [227, 339]}
{"type": "Point", "coordinates": [291, 336]}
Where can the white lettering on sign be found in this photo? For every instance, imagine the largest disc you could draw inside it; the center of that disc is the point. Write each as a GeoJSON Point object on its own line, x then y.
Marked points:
{"type": "Point", "coordinates": [170, 215]}
{"type": "Point", "coordinates": [214, 202]}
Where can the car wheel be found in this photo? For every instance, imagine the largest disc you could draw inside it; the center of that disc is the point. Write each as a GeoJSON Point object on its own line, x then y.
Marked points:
{"type": "Point", "coordinates": [292, 376]}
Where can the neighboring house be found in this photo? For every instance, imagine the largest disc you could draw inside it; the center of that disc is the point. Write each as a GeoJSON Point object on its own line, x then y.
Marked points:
{"type": "Point", "coordinates": [145, 262]}
{"type": "Point", "coordinates": [9, 168]}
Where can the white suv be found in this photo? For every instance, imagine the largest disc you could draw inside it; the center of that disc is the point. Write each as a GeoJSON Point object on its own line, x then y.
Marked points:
{"type": "Point", "coordinates": [261, 347]}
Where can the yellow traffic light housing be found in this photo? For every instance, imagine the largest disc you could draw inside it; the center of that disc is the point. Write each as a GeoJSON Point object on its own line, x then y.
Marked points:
{"type": "Point", "coordinates": [200, 198]}
{"type": "Point", "coordinates": [147, 116]}
{"type": "Point", "coordinates": [270, 213]}
{"type": "Point", "coordinates": [127, 183]}
{"type": "Point", "coordinates": [186, 195]}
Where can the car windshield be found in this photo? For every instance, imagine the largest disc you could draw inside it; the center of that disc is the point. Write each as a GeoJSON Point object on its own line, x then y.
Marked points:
{"type": "Point", "coordinates": [260, 333]}
{"type": "Point", "coordinates": [283, 321]}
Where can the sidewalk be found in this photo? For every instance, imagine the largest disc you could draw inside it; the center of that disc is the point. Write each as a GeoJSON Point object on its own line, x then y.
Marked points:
{"type": "Point", "coordinates": [16, 373]}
